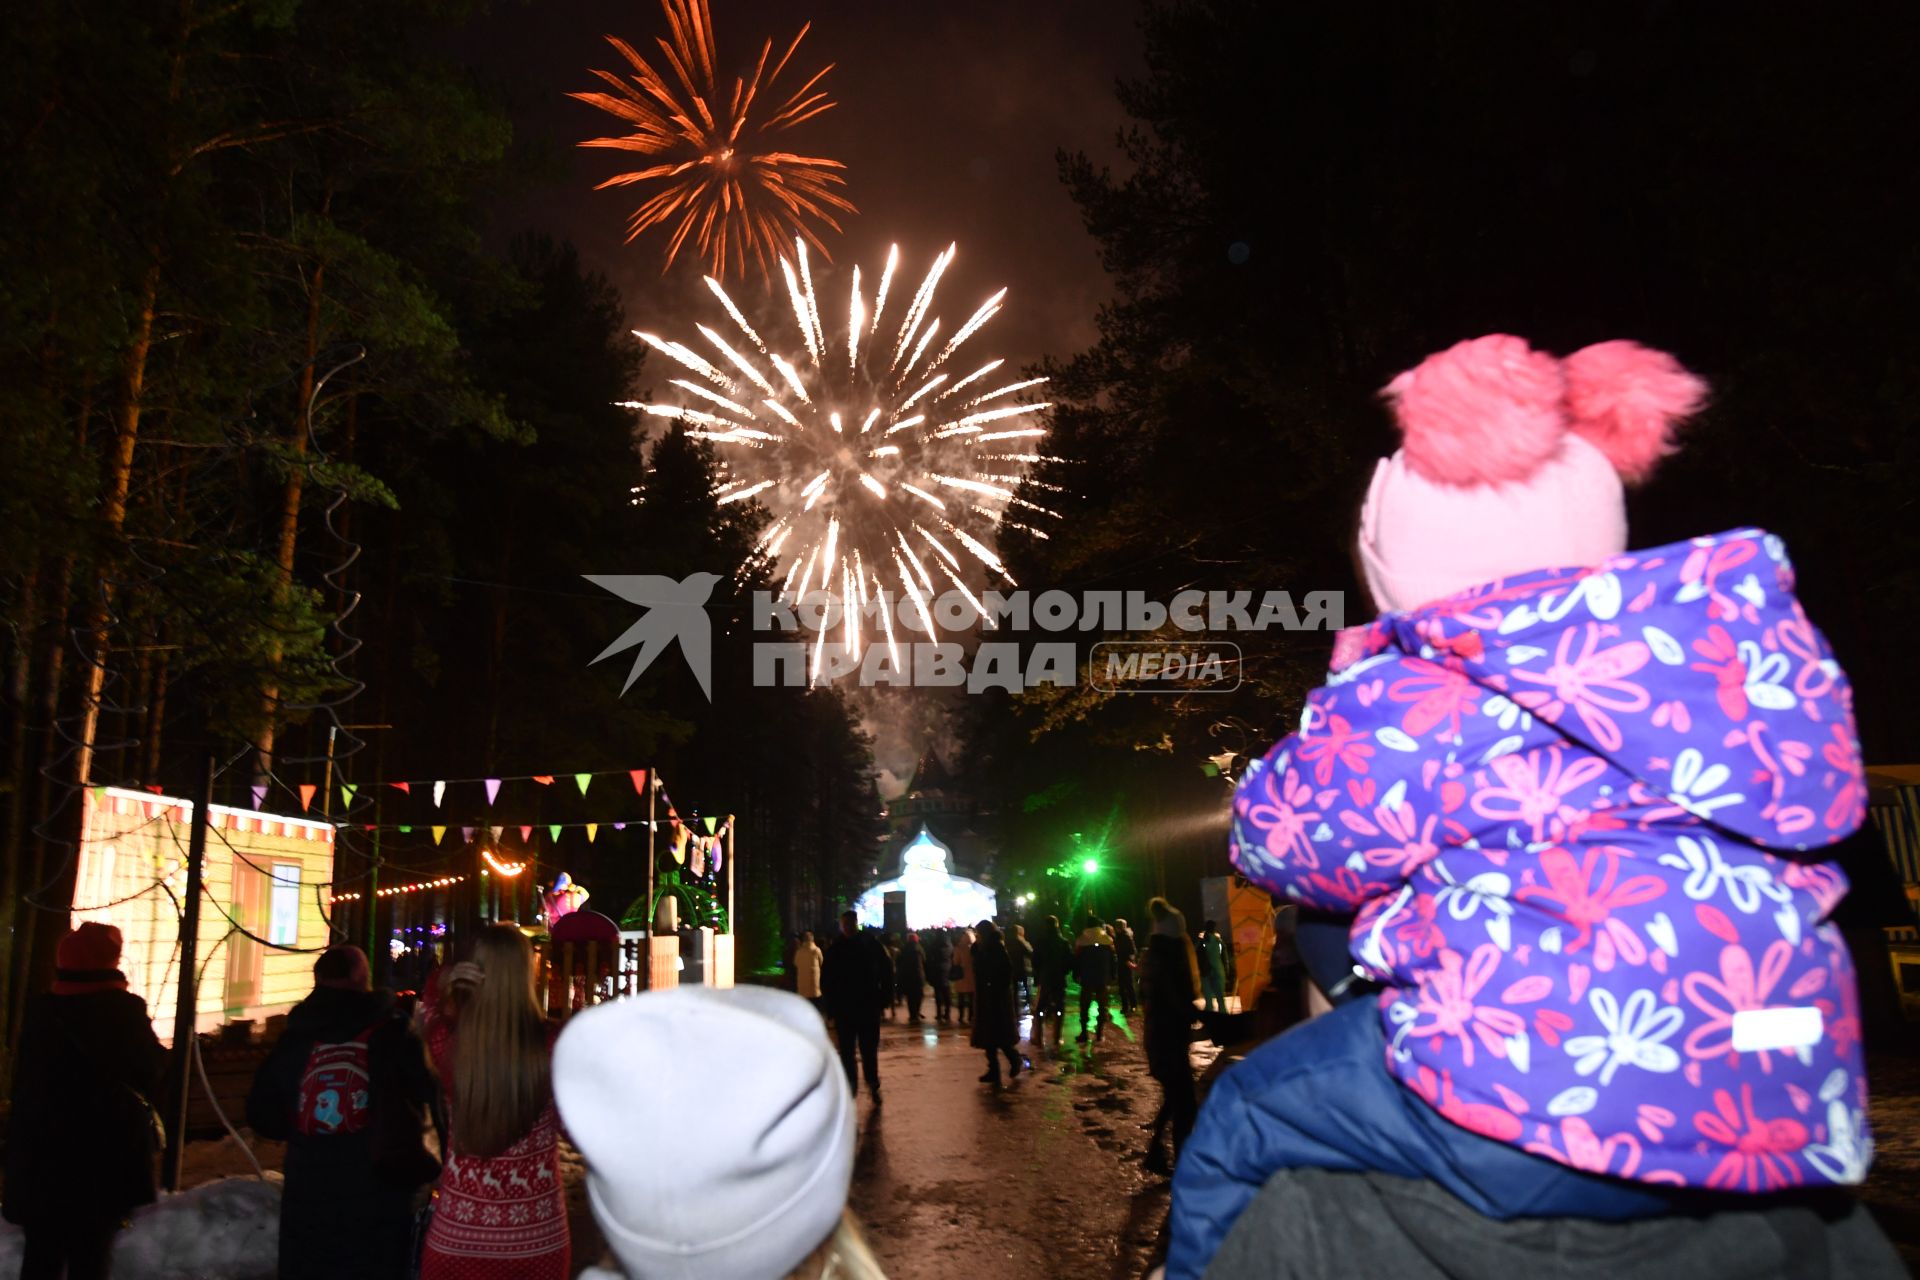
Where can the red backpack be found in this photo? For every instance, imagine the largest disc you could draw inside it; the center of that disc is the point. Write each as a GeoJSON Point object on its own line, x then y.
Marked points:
{"type": "Point", "coordinates": [334, 1095]}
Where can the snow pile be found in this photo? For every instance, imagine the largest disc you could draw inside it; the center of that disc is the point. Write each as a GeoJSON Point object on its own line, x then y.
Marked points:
{"type": "Point", "coordinates": [225, 1230]}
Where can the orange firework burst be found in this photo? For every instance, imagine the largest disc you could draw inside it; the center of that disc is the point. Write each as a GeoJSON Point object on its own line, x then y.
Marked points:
{"type": "Point", "coordinates": [724, 182]}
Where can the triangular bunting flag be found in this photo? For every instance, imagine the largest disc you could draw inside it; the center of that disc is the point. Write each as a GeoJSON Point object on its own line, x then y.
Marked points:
{"type": "Point", "coordinates": [593, 829]}
{"type": "Point", "coordinates": [438, 833]}
{"type": "Point", "coordinates": [639, 777]}
{"type": "Point", "coordinates": [496, 833]}
{"type": "Point", "coordinates": [407, 831]}
{"type": "Point", "coordinates": [439, 793]}
{"type": "Point", "coordinates": [554, 831]}
{"type": "Point", "coordinates": [493, 789]}
{"type": "Point", "coordinates": [712, 823]}
{"type": "Point", "coordinates": [306, 795]}
{"type": "Point", "coordinates": [619, 826]}
{"type": "Point", "coordinates": [526, 834]}
{"type": "Point", "coordinates": [366, 826]}
{"type": "Point", "coordinates": [259, 795]}
{"type": "Point", "coordinates": [346, 794]}
{"type": "Point", "coordinates": [582, 780]}
{"type": "Point", "coordinates": [466, 834]}
{"type": "Point", "coordinates": [154, 787]}
{"type": "Point", "coordinates": [406, 788]}
{"type": "Point", "coordinates": [544, 779]}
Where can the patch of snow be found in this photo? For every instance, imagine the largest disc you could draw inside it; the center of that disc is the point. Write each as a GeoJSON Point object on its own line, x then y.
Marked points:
{"type": "Point", "coordinates": [225, 1230]}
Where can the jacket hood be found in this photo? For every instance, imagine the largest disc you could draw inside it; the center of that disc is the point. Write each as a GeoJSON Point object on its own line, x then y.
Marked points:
{"type": "Point", "coordinates": [1633, 661]}
{"type": "Point", "coordinates": [332, 1013]}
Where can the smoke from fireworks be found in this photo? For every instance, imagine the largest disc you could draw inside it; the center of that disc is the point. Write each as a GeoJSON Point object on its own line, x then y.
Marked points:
{"type": "Point", "coordinates": [721, 172]}
{"type": "Point", "coordinates": [887, 470]}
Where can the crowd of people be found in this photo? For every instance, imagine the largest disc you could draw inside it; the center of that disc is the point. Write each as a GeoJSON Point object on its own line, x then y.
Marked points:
{"type": "Point", "coordinates": [989, 979]}
{"type": "Point", "coordinates": [425, 1141]}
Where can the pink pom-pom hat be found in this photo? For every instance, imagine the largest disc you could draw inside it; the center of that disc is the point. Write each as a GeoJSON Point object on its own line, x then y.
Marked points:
{"type": "Point", "coordinates": [1512, 460]}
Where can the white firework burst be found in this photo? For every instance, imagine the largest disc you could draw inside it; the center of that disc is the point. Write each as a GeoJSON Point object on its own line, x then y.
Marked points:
{"type": "Point", "coordinates": [888, 470]}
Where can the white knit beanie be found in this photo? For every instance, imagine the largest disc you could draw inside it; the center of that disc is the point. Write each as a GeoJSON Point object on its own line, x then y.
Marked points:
{"type": "Point", "coordinates": [717, 1128]}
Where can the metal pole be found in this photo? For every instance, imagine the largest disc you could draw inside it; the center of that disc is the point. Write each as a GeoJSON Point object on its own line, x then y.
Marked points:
{"type": "Point", "coordinates": [326, 811]}
{"type": "Point", "coordinates": [185, 1007]}
{"type": "Point", "coordinates": [653, 788]}
{"type": "Point", "coordinates": [326, 787]}
{"type": "Point", "coordinates": [373, 886]}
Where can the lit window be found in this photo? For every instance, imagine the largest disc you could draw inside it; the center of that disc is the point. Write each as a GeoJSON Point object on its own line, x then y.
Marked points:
{"type": "Point", "coordinates": [283, 927]}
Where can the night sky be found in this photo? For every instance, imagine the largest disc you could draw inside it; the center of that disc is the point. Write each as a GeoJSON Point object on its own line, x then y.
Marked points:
{"type": "Point", "coordinates": [948, 121]}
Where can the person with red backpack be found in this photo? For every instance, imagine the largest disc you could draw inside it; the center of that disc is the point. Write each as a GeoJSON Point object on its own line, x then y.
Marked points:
{"type": "Point", "coordinates": [348, 1089]}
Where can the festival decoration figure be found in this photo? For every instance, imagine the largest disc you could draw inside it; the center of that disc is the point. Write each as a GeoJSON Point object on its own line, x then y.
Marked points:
{"type": "Point", "coordinates": [886, 475]}
{"type": "Point", "coordinates": [721, 173]}
{"type": "Point", "coordinates": [563, 899]}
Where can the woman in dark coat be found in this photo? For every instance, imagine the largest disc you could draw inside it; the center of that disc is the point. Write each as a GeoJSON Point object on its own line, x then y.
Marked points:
{"type": "Point", "coordinates": [1020, 951]}
{"type": "Point", "coordinates": [1167, 988]}
{"type": "Point", "coordinates": [996, 1020]}
{"type": "Point", "coordinates": [1052, 957]}
{"type": "Point", "coordinates": [939, 959]}
{"type": "Point", "coordinates": [81, 1142]}
{"type": "Point", "coordinates": [910, 975]}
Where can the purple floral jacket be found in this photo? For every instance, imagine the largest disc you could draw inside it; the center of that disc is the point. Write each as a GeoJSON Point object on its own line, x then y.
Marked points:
{"type": "Point", "coordinates": [1572, 812]}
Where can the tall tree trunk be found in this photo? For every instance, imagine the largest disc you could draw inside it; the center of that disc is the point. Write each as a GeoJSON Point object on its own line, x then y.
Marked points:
{"type": "Point", "coordinates": [19, 777]}
{"type": "Point", "coordinates": [34, 842]}
{"type": "Point", "coordinates": [94, 632]}
{"type": "Point", "coordinates": [127, 754]}
{"type": "Point", "coordinates": [156, 724]}
{"type": "Point", "coordinates": [94, 638]}
{"type": "Point", "coordinates": [290, 499]}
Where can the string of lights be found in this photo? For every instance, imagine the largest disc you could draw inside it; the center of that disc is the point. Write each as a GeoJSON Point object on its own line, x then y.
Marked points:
{"type": "Point", "coordinates": [393, 891]}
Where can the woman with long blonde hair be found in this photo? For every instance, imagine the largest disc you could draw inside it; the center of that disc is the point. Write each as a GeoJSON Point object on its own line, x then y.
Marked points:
{"type": "Point", "coordinates": [500, 1209]}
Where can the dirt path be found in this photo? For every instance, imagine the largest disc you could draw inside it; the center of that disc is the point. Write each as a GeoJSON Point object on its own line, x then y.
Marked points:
{"type": "Point", "coordinates": [1041, 1177]}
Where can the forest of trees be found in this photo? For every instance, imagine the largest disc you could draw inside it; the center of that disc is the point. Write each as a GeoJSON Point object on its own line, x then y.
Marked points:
{"type": "Point", "coordinates": [293, 442]}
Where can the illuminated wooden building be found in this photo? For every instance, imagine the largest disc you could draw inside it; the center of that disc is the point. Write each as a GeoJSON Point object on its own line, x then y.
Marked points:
{"type": "Point", "coordinates": [265, 873]}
